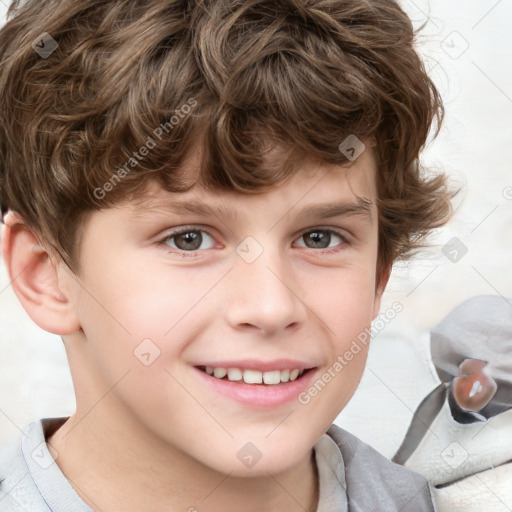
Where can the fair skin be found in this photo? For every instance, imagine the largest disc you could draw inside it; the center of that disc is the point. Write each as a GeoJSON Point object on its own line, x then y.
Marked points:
{"type": "Point", "coordinates": [158, 436]}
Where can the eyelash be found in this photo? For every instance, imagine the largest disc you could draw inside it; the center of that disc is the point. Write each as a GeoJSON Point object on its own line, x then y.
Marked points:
{"type": "Point", "coordinates": [188, 229]}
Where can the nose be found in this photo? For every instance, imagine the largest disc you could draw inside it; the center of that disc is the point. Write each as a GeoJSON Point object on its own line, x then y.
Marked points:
{"type": "Point", "coordinates": [264, 295]}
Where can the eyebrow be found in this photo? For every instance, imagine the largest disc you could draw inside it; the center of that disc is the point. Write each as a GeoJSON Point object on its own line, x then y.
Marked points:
{"type": "Point", "coordinates": [342, 209]}
{"type": "Point", "coordinates": [362, 206]}
{"type": "Point", "coordinates": [147, 207]}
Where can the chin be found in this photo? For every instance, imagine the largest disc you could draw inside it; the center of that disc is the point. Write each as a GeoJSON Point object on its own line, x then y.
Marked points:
{"type": "Point", "coordinates": [260, 457]}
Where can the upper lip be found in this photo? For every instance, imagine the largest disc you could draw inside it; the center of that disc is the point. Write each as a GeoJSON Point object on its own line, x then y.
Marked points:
{"type": "Point", "coordinates": [253, 364]}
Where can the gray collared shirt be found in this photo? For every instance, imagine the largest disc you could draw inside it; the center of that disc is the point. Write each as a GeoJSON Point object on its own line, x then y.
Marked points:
{"type": "Point", "coordinates": [352, 477]}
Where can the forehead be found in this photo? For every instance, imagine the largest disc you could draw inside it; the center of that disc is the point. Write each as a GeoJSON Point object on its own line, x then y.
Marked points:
{"type": "Point", "coordinates": [319, 189]}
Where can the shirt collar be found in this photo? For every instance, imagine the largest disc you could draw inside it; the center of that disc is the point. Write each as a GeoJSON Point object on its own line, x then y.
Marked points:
{"type": "Point", "coordinates": [51, 483]}
{"type": "Point", "coordinates": [331, 476]}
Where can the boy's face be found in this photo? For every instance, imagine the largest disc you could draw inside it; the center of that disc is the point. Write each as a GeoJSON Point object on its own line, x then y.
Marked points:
{"type": "Point", "coordinates": [267, 287]}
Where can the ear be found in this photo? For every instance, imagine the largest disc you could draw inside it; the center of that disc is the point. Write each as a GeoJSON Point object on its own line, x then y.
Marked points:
{"type": "Point", "coordinates": [33, 276]}
{"type": "Point", "coordinates": [380, 286]}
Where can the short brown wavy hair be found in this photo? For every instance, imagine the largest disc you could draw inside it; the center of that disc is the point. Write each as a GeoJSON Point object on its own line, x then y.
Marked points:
{"type": "Point", "coordinates": [239, 77]}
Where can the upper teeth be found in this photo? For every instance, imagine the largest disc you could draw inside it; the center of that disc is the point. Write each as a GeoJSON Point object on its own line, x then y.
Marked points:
{"type": "Point", "coordinates": [255, 376]}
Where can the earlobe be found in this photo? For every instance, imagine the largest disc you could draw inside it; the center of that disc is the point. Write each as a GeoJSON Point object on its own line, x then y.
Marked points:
{"type": "Point", "coordinates": [34, 278]}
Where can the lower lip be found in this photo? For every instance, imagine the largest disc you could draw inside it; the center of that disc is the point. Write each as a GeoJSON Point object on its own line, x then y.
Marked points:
{"type": "Point", "coordinates": [263, 396]}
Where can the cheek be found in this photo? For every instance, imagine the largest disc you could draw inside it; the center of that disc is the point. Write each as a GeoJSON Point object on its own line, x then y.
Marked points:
{"type": "Point", "coordinates": [345, 303]}
{"type": "Point", "coordinates": [144, 302]}
{"type": "Point", "coordinates": [141, 321]}
{"type": "Point", "coordinates": [133, 334]}
{"type": "Point", "coordinates": [345, 309]}
{"type": "Point", "coordinates": [333, 387]}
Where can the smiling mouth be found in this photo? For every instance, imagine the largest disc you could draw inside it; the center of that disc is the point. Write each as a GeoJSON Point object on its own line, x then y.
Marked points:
{"type": "Point", "coordinates": [240, 375]}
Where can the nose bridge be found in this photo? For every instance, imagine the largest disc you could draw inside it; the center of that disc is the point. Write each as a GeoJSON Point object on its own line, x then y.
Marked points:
{"type": "Point", "coordinates": [262, 289]}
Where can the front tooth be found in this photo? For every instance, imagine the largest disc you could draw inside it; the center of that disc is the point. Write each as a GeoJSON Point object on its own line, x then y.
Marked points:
{"type": "Point", "coordinates": [285, 375]}
{"type": "Point", "coordinates": [253, 377]}
{"type": "Point", "coordinates": [294, 374]}
{"type": "Point", "coordinates": [219, 372]}
{"type": "Point", "coordinates": [234, 374]}
{"type": "Point", "coordinates": [273, 377]}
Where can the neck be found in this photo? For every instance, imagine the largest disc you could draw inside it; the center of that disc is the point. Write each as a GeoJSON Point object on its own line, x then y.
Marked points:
{"type": "Point", "coordinates": [119, 466]}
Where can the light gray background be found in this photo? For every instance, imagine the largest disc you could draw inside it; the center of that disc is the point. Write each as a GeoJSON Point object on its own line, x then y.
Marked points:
{"type": "Point", "coordinates": [467, 45]}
